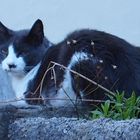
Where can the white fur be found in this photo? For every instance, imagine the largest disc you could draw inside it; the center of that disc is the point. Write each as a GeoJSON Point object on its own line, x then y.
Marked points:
{"type": "Point", "coordinates": [13, 59]}
{"type": "Point", "coordinates": [20, 84]}
{"type": "Point", "coordinates": [66, 92]}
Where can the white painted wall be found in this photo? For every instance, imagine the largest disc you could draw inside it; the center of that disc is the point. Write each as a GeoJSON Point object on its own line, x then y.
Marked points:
{"type": "Point", "coordinates": [119, 17]}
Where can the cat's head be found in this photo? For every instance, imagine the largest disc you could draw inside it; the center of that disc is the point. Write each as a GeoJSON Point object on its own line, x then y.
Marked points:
{"type": "Point", "coordinates": [24, 49]}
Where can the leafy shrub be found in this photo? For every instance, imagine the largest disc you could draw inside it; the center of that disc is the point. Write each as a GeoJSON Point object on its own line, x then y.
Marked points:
{"type": "Point", "coordinates": [118, 107]}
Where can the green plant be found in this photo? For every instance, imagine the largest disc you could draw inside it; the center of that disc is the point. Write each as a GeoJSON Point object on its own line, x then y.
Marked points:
{"type": "Point", "coordinates": [118, 107]}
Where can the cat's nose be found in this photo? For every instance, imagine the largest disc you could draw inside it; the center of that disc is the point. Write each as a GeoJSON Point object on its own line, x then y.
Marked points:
{"type": "Point", "coordinates": [11, 66]}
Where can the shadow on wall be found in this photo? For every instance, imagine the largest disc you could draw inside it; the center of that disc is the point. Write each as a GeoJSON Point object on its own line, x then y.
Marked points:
{"type": "Point", "coordinates": [6, 92]}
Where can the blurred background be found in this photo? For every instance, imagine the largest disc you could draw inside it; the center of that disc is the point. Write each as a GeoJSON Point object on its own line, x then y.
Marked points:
{"type": "Point", "coordinates": [60, 17]}
{"type": "Point", "coordinates": [120, 17]}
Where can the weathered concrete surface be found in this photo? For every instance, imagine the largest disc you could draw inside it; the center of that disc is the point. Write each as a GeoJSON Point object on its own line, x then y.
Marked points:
{"type": "Point", "coordinates": [10, 113]}
{"type": "Point", "coordinates": [45, 123]}
{"type": "Point", "coordinates": [73, 129]}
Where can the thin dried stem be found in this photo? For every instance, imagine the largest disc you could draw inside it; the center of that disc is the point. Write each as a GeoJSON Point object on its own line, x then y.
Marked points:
{"type": "Point", "coordinates": [74, 100]}
{"type": "Point", "coordinates": [41, 84]}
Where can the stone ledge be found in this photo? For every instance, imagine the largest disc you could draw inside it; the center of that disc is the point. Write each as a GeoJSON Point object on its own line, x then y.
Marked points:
{"type": "Point", "coordinates": [72, 129]}
{"type": "Point", "coordinates": [39, 123]}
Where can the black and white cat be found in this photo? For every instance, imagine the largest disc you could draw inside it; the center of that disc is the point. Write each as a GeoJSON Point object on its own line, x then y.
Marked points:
{"type": "Point", "coordinates": [21, 51]}
{"type": "Point", "coordinates": [110, 61]}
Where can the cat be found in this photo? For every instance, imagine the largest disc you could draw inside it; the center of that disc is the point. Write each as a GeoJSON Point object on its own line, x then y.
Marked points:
{"type": "Point", "coordinates": [21, 51]}
{"type": "Point", "coordinates": [104, 58]}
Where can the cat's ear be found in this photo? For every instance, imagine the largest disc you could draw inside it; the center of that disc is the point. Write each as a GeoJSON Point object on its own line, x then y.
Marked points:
{"type": "Point", "coordinates": [36, 34]}
{"type": "Point", "coordinates": [4, 32]}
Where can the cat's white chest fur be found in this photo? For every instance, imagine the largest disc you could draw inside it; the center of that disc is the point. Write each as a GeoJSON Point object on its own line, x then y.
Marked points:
{"type": "Point", "coordinates": [19, 87]}
{"type": "Point", "coordinates": [20, 84]}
